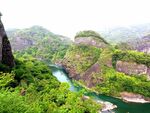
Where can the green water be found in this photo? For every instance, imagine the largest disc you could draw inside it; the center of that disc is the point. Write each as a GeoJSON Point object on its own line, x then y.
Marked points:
{"type": "Point", "coordinates": [122, 107]}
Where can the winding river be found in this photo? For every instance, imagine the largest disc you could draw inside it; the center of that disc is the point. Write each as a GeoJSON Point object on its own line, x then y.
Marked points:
{"type": "Point", "coordinates": [122, 107]}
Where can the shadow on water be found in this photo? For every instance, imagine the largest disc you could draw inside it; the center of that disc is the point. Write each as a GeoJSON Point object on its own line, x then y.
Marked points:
{"type": "Point", "coordinates": [122, 107]}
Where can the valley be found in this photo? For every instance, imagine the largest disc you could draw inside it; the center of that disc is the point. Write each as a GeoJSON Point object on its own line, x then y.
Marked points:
{"type": "Point", "coordinates": [91, 66]}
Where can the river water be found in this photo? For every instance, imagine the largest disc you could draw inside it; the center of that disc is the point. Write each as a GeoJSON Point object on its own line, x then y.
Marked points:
{"type": "Point", "coordinates": [122, 107]}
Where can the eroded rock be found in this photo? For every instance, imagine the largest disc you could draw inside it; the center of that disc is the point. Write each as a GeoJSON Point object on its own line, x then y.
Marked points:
{"type": "Point", "coordinates": [131, 68]}
{"type": "Point", "coordinates": [6, 56]}
{"type": "Point", "coordinates": [90, 41]}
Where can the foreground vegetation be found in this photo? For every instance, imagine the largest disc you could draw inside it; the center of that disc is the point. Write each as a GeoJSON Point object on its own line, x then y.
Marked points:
{"type": "Point", "coordinates": [31, 88]}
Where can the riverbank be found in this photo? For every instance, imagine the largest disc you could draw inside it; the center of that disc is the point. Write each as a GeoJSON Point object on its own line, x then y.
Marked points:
{"type": "Point", "coordinates": [134, 98]}
{"type": "Point", "coordinates": [122, 107]}
{"type": "Point", "coordinates": [106, 106]}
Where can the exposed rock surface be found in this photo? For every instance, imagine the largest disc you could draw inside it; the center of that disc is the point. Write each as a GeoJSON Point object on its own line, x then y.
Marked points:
{"type": "Point", "coordinates": [90, 41]}
{"type": "Point", "coordinates": [131, 68]}
{"type": "Point", "coordinates": [6, 56]}
{"type": "Point", "coordinates": [21, 43]}
{"type": "Point", "coordinates": [131, 97]}
{"type": "Point", "coordinates": [138, 44]}
{"type": "Point", "coordinates": [88, 77]}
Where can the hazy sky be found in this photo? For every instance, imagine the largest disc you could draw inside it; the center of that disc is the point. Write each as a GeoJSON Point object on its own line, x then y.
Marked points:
{"type": "Point", "coordinates": [66, 17]}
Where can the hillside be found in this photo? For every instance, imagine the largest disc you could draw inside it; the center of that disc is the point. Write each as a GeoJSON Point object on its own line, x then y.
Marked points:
{"type": "Point", "coordinates": [106, 69]}
{"type": "Point", "coordinates": [123, 34]}
{"type": "Point", "coordinates": [138, 44]}
{"type": "Point", "coordinates": [39, 42]}
{"type": "Point", "coordinates": [30, 87]}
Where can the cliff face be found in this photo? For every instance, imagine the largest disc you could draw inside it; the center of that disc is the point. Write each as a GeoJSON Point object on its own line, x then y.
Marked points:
{"type": "Point", "coordinates": [89, 59]}
{"type": "Point", "coordinates": [21, 43]}
{"type": "Point", "coordinates": [81, 61]}
{"type": "Point", "coordinates": [139, 44]}
{"type": "Point", "coordinates": [90, 41]}
{"type": "Point", "coordinates": [6, 56]}
{"type": "Point", "coordinates": [131, 68]}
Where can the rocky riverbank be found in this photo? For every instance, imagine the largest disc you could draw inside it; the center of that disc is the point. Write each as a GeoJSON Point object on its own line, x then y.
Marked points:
{"type": "Point", "coordinates": [135, 98]}
{"type": "Point", "coordinates": [106, 106]}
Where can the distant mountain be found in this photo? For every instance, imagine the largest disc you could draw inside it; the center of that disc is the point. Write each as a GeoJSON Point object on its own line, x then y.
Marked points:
{"type": "Point", "coordinates": [38, 42]}
{"type": "Point", "coordinates": [123, 34]}
{"type": "Point", "coordinates": [139, 44]}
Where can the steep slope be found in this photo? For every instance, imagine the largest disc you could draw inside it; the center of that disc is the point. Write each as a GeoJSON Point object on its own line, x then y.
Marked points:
{"type": "Point", "coordinates": [6, 56]}
{"type": "Point", "coordinates": [81, 59]}
{"type": "Point", "coordinates": [106, 70]}
{"type": "Point", "coordinates": [39, 42]}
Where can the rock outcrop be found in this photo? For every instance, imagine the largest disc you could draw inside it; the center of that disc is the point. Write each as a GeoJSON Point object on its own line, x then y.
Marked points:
{"type": "Point", "coordinates": [132, 68]}
{"type": "Point", "coordinates": [6, 56]}
{"type": "Point", "coordinates": [82, 61]}
{"type": "Point", "coordinates": [138, 44]}
{"type": "Point", "coordinates": [90, 41]}
{"type": "Point", "coordinates": [21, 43]}
{"type": "Point", "coordinates": [136, 98]}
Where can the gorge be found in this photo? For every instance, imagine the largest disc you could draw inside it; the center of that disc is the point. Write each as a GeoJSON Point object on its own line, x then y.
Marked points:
{"type": "Point", "coordinates": [122, 107]}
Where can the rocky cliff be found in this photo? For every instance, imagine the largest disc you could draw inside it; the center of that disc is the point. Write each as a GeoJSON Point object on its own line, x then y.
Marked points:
{"type": "Point", "coordinates": [138, 44]}
{"type": "Point", "coordinates": [106, 69]}
{"type": "Point", "coordinates": [81, 61]}
{"type": "Point", "coordinates": [132, 68]}
{"type": "Point", "coordinates": [6, 56]}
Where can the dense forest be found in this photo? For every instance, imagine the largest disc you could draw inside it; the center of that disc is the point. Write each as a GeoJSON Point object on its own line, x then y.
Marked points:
{"type": "Point", "coordinates": [31, 88]}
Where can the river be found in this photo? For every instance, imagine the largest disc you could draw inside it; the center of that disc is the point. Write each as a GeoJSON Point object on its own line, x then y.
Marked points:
{"type": "Point", "coordinates": [122, 107]}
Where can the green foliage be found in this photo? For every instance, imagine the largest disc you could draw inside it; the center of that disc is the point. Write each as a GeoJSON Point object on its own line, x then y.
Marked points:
{"type": "Point", "coordinates": [39, 43]}
{"type": "Point", "coordinates": [37, 91]}
{"type": "Point", "coordinates": [89, 33]}
{"type": "Point", "coordinates": [4, 68]}
{"type": "Point", "coordinates": [82, 57]}
{"type": "Point", "coordinates": [116, 82]}
{"type": "Point", "coordinates": [12, 102]}
{"type": "Point", "coordinates": [134, 56]}
{"type": "Point", "coordinates": [6, 79]}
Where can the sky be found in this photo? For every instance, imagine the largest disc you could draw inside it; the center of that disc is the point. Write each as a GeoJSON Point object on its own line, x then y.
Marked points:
{"type": "Point", "coordinates": [66, 17]}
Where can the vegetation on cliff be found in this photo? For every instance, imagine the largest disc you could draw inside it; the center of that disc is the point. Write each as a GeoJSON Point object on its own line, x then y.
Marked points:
{"type": "Point", "coordinates": [115, 82]}
{"type": "Point", "coordinates": [133, 56]}
{"type": "Point", "coordinates": [90, 33]}
{"type": "Point", "coordinates": [82, 57]}
{"type": "Point", "coordinates": [107, 80]}
{"type": "Point", "coordinates": [39, 42]}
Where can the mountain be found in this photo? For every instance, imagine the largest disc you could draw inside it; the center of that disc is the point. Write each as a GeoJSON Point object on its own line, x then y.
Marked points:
{"type": "Point", "coordinates": [6, 56]}
{"type": "Point", "coordinates": [95, 64]}
{"type": "Point", "coordinates": [39, 42]}
{"type": "Point", "coordinates": [30, 86]}
{"type": "Point", "coordinates": [123, 34]}
{"type": "Point", "coordinates": [138, 44]}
